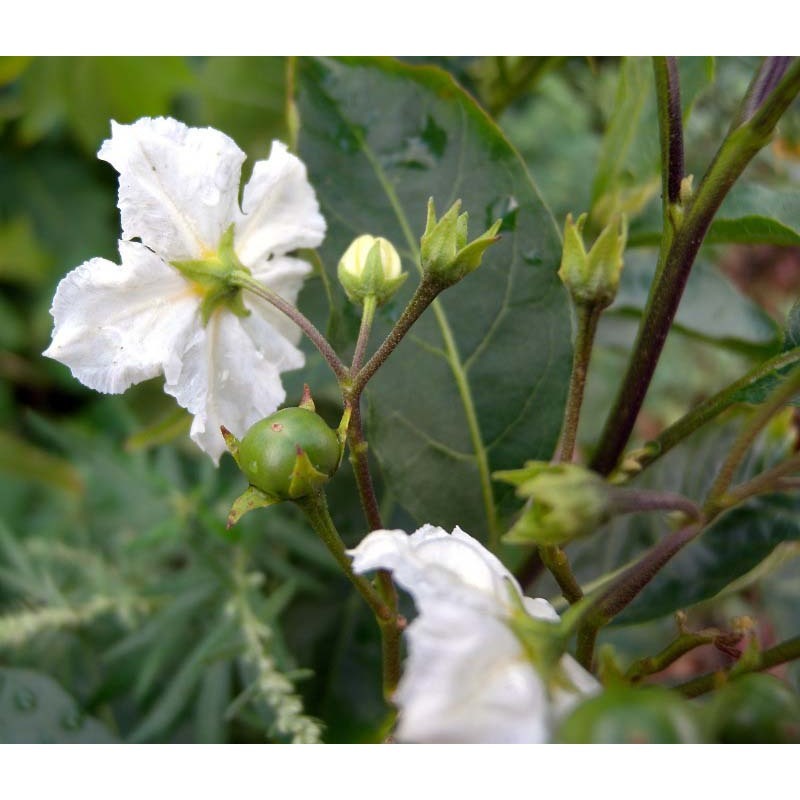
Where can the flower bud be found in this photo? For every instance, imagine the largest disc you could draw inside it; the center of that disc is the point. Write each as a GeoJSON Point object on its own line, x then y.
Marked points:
{"type": "Point", "coordinates": [444, 250]}
{"type": "Point", "coordinates": [564, 502]}
{"type": "Point", "coordinates": [593, 278]}
{"type": "Point", "coordinates": [370, 267]}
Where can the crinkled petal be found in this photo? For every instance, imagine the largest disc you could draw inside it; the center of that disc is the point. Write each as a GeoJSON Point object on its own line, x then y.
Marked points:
{"type": "Point", "coordinates": [433, 564]}
{"type": "Point", "coordinates": [285, 276]}
{"type": "Point", "coordinates": [280, 212]}
{"type": "Point", "coordinates": [466, 680]}
{"type": "Point", "coordinates": [230, 375]}
{"type": "Point", "coordinates": [119, 325]}
{"type": "Point", "coordinates": [178, 186]}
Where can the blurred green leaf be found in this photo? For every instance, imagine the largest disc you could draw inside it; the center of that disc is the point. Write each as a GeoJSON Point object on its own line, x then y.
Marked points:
{"type": "Point", "coordinates": [712, 307]}
{"type": "Point", "coordinates": [19, 457]}
{"type": "Point", "coordinates": [23, 260]}
{"type": "Point", "coordinates": [34, 709]}
{"type": "Point", "coordinates": [86, 93]}
{"type": "Point", "coordinates": [398, 135]}
{"type": "Point", "coordinates": [245, 97]}
{"type": "Point", "coordinates": [756, 214]}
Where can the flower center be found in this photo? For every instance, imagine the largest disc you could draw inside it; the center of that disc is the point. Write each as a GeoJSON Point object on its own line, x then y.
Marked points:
{"type": "Point", "coordinates": [211, 278]}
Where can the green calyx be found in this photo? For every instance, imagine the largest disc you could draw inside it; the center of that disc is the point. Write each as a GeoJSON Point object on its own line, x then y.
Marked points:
{"type": "Point", "coordinates": [370, 267]}
{"type": "Point", "coordinates": [286, 456]}
{"type": "Point", "coordinates": [564, 502]}
{"type": "Point", "coordinates": [212, 278]}
{"type": "Point", "coordinates": [445, 252]}
{"type": "Point", "coordinates": [593, 277]}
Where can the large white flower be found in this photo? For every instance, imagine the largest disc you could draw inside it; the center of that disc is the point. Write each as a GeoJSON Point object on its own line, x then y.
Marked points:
{"type": "Point", "coordinates": [467, 677]}
{"type": "Point", "coordinates": [178, 197]}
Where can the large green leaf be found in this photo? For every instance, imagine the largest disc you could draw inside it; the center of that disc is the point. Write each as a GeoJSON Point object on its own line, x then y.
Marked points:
{"type": "Point", "coordinates": [730, 548]}
{"type": "Point", "coordinates": [755, 214]}
{"type": "Point", "coordinates": [712, 308]}
{"type": "Point", "coordinates": [479, 384]}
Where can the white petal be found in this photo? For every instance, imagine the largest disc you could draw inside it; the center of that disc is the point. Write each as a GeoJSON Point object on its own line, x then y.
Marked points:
{"type": "Point", "coordinates": [433, 564]}
{"type": "Point", "coordinates": [280, 209]}
{"type": "Point", "coordinates": [583, 685]}
{"type": "Point", "coordinates": [466, 680]}
{"type": "Point", "coordinates": [285, 277]}
{"type": "Point", "coordinates": [178, 186]}
{"type": "Point", "coordinates": [230, 375]}
{"type": "Point", "coordinates": [119, 325]}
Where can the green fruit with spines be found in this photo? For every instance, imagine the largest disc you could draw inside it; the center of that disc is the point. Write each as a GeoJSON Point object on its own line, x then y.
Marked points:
{"type": "Point", "coordinates": [268, 452]}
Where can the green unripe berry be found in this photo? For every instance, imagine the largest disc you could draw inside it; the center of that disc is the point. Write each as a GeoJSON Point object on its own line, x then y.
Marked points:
{"type": "Point", "coordinates": [268, 453]}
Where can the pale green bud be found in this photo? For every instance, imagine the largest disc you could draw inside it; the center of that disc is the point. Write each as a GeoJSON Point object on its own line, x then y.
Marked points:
{"type": "Point", "coordinates": [444, 251]}
{"type": "Point", "coordinates": [564, 502]}
{"type": "Point", "coordinates": [593, 278]}
{"type": "Point", "coordinates": [371, 267]}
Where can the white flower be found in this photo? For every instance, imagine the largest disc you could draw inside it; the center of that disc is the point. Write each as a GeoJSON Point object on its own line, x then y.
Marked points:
{"type": "Point", "coordinates": [178, 196]}
{"type": "Point", "coordinates": [467, 677]}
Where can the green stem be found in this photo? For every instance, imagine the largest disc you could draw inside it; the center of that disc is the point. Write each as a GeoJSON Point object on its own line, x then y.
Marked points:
{"type": "Point", "coordinates": [367, 318]}
{"type": "Point", "coordinates": [712, 407]}
{"type": "Point", "coordinates": [676, 259]}
{"type": "Point", "coordinates": [684, 644]}
{"type": "Point", "coordinates": [425, 294]}
{"type": "Point", "coordinates": [780, 654]}
{"type": "Point", "coordinates": [244, 281]}
{"type": "Point", "coordinates": [555, 559]}
{"type": "Point", "coordinates": [776, 400]}
{"type": "Point", "coordinates": [315, 507]}
{"type": "Point", "coordinates": [588, 317]}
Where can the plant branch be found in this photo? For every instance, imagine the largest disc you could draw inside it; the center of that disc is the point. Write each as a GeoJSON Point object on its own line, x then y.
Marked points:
{"type": "Point", "coordinates": [243, 280]}
{"type": "Point", "coordinates": [629, 501]}
{"type": "Point", "coordinates": [683, 644]}
{"type": "Point", "coordinates": [711, 408]}
{"type": "Point", "coordinates": [626, 587]}
{"type": "Point", "coordinates": [588, 317]}
{"type": "Point", "coordinates": [777, 399]}
{"type": "Point", "coordinates": [768, 481]}
{"type": "Point", "coordinates": [780, 654]}
{"type": "Point", "coordinates": [670, 125]}
{"type": "Point", "coordinates": [425, 294]}
{"type": "Point", "coordinates": [367, 317]}
{"type": "Point", "coordinates": [556, 561]}
{"type": "Point", "coordinates": [676, 260]}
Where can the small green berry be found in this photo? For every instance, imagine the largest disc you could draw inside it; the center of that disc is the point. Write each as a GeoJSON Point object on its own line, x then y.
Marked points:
{"type": "Point", "coordinates": [268, 453]}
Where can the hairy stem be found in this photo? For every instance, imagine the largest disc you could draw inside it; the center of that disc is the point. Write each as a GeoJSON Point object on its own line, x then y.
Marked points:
{"type": "Point", "coordinates": [424, 295]}
{"type": "Point", "coordinates": [677, 257]}
{"type": "Point", "coordinates": [244, 281]}
{"type": "Point", "coordinates": [780, 654]}
{"type": "Point", "coordinates": [629, 501]}
{"type": "Point", "coordinates": [684, 644]}
{"type": "Point", "coordinates": [768, 481]}
{"type": "Point", "coordinates": [626, 587]}
{"type": "Point", "coordinates": [556, 561]}
{"type": "Point", "coordinates": [588, 317]}
{"type": "Point", "coordinates": [367, 317]}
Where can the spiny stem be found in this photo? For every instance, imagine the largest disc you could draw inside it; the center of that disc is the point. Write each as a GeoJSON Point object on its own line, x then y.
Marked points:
{"type": "Point", "coordinates": [780, 654]}
{"type": "Point", "coordinates": [587, 319]}
{"type": "Point", "coordinates": [425, 294]}
{"type": "Point", "coordinates": [245, 281]}
{"type": "Point", "coordinates": [676, 259]}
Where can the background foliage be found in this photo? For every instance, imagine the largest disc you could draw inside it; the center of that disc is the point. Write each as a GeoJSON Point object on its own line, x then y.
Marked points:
{"type": "Point", "coordinates": [126, 610]}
